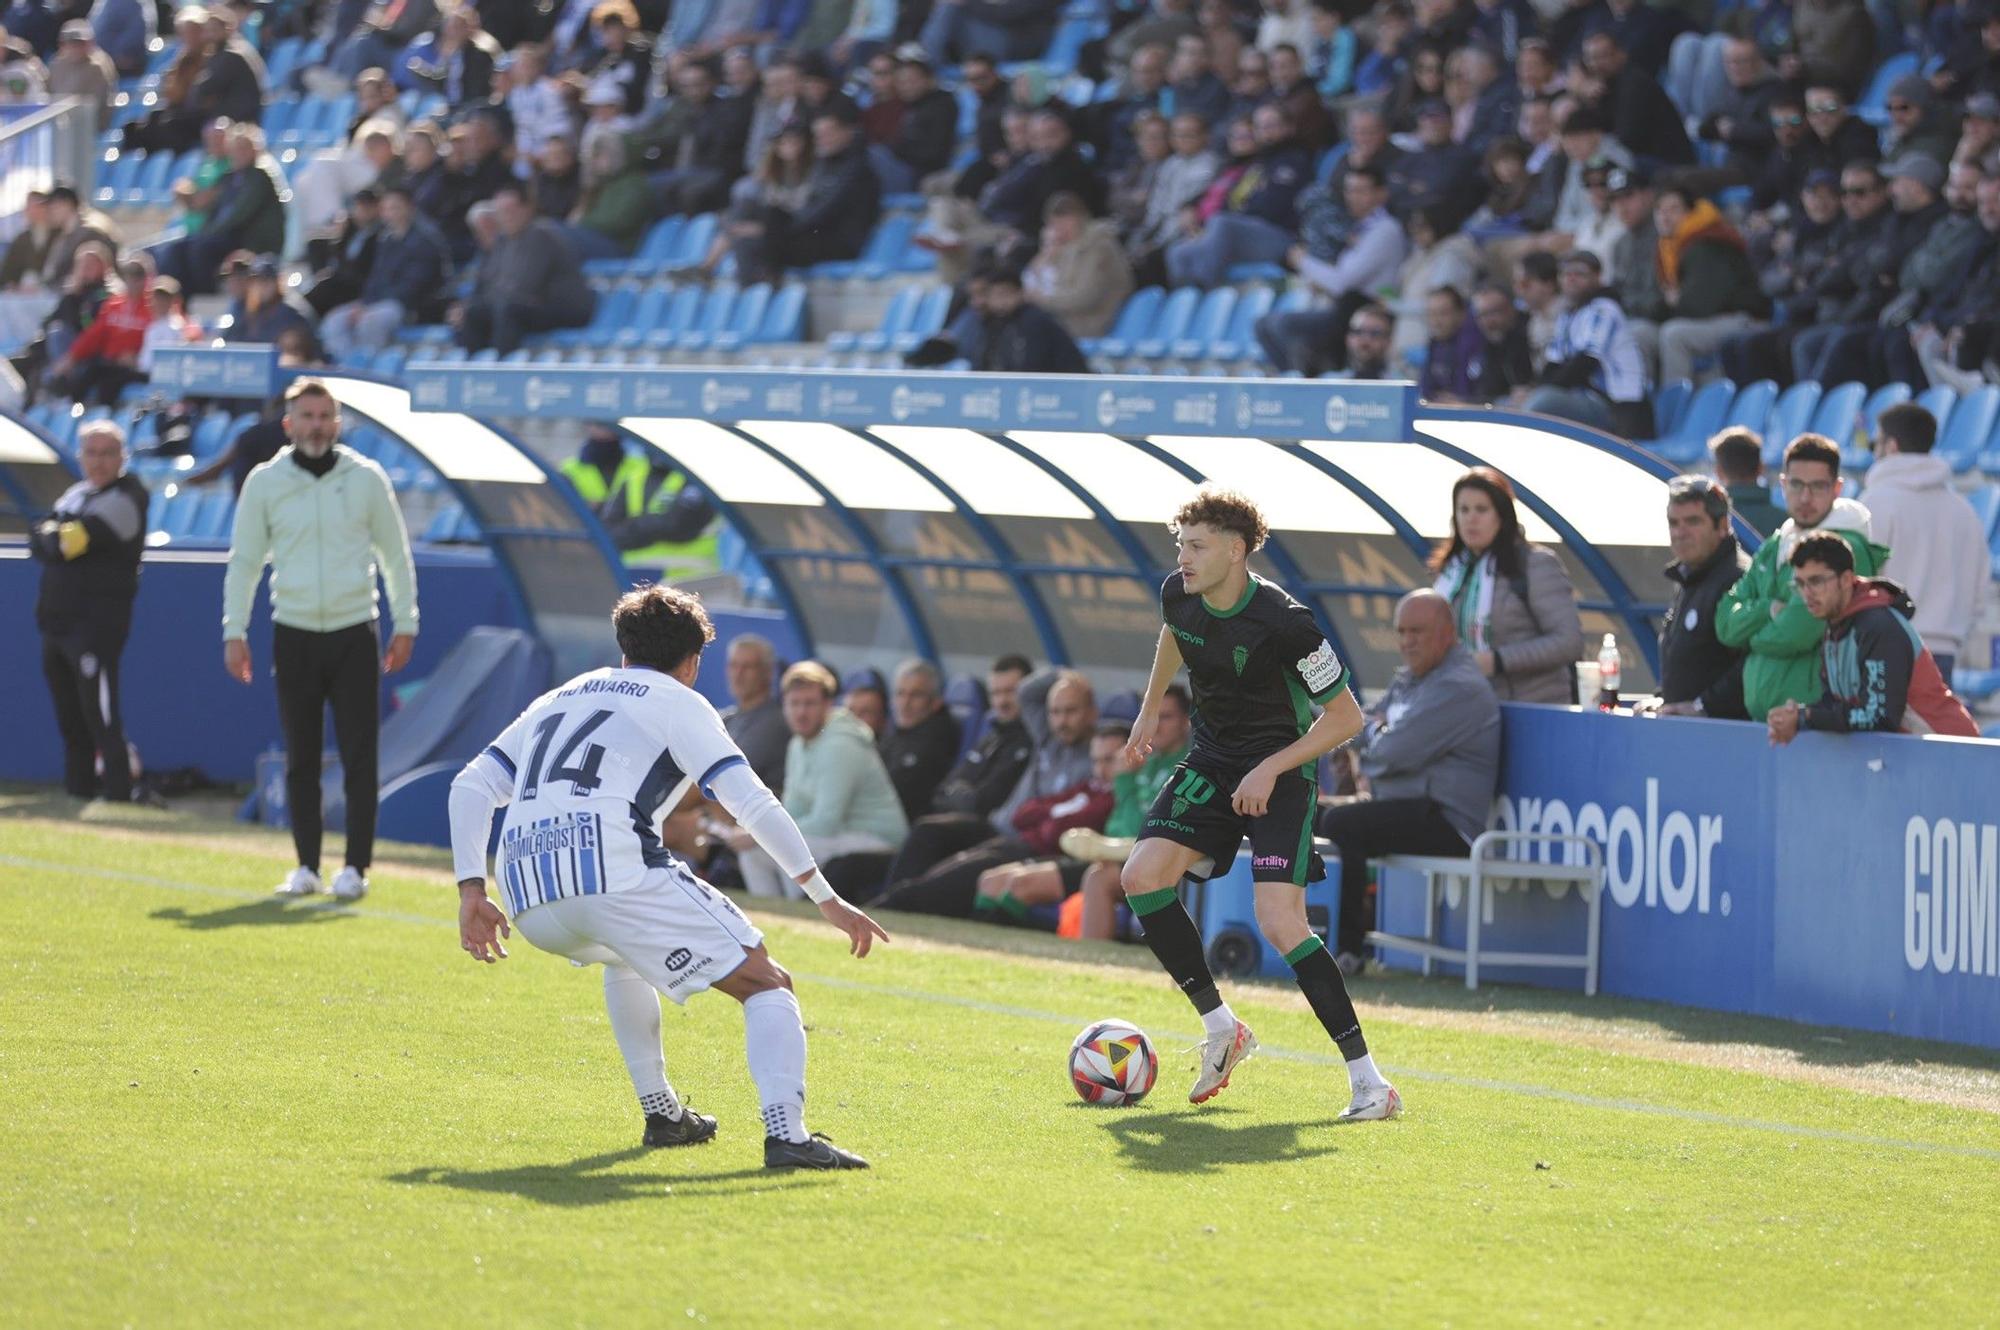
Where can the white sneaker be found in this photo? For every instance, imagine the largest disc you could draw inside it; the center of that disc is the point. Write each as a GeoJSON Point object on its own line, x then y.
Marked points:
{"type": "Point", "coordinates": [303, 882]}
{"type": "Point", "coordinates": [1373, 1103]}
{"type": "Point", "coordinates": [349, 884]}
{"type": "Point", "coordinates": [1219, 1057]}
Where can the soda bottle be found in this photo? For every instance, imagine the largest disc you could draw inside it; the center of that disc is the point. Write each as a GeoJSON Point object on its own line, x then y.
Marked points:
{"type": "Point", "coordinates": [1609, 669]}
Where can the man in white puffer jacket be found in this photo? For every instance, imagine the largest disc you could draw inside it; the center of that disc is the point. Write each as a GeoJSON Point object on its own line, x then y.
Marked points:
{"type": "Point", "coordinates": [1937, 550]}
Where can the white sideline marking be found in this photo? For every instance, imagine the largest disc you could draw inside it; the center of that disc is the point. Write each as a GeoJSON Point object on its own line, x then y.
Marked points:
{"type": "Point", "coordinates": [1406, 1072]}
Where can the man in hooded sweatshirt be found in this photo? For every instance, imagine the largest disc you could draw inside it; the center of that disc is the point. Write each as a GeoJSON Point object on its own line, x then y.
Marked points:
{"type": "Point", "coordinates": [1762, 612]}
{"type": "Point", "coordinates": [1878, 676]}
{"type": "Point", "coordinates": [1937, 547]}
{"type": "Point", "coordinates": [1706, 279]}
{"type": "Point", "coordinates": [836, 787]}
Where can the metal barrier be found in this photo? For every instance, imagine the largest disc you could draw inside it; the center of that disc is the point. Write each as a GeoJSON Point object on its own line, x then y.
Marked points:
{"type": "Point", "coordinates": [42, 146]}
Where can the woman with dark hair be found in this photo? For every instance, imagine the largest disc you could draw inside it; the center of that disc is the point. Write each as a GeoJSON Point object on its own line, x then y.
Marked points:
{"type": "Point", "coordinates": [1515, 608]}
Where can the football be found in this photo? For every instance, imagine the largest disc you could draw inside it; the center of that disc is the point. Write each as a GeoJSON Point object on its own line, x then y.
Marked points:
{"type": "Point", "coordinates": [1112, 1062]}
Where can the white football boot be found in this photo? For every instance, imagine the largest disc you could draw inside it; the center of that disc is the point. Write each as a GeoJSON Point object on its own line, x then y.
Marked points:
{"type": "Point", "coordinates": [349, 884]}
{"type": "Point", "coordinates": [1373, 1103]}
{"type": "Point", "coordinates": [1219, 1057]}
{"type": "Point", "coordinates": [303, 882]}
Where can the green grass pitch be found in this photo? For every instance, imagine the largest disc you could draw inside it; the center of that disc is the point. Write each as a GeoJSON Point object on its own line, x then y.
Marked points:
{"type": "Point", "coordinates": [223, 1110]}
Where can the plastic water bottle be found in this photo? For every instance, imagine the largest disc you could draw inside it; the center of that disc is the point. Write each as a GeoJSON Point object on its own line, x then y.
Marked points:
{"type": "Point", "coordinates": [1609, 671]}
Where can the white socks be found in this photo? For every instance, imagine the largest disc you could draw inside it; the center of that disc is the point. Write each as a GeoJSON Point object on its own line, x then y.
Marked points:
{"type": "Point", "coordinates": [774, 1037]}
{"type": "Point", "coordinates": [1220, 1023]}
{"type": "Point", "coordinates": [1361, 1074]}
{"type": "Point", "coordinates": [634, 1009]}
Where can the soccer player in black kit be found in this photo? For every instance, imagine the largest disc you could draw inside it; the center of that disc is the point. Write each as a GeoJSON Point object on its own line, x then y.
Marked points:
{"type": "Point", "coordinates": [1259, 664]}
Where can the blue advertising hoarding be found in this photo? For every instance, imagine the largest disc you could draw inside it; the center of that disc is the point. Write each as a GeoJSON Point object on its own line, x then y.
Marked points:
{"type": "Point", "coordinates": [217, 371]}
{"type": "Point", "coordinates": [1126, 406]}
{"type": "Point", "coordinates": [1841, 880]}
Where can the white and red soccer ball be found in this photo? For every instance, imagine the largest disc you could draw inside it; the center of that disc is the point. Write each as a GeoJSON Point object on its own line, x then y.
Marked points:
{"type": "Point", "coordinates": [1112, 1062]}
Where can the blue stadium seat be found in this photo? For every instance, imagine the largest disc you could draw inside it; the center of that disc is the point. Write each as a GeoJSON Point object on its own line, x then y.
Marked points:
{"type": "Point", "coordinates": [114, 177]}
{"type": "Point", "coordinates": [1985, 503]}
{"type": "Point", "coordinates": [1176, 312]}
{"type": "Point", "coordinates": [1963, 437]}
{"type": "Point", "coordinates": [1751, 407]}
{"type": "Point", "coordinates": [653, 253]}
{"type": "Point", "coordinates": [1888, 395]}
{"type": "Point", "coordinates": [1838, 415]}
{"type": "Point", "coordinates": [388, 362]}
{"type": "Point", "coordinates": [1141, 307]}
{"type": "Point", "coordinates": [1239, 339]}
{"type": "Point", "coordinates": [154, 182]}
{"type": "Point", "coordinates": [218, 512]}
{"type": "Point", "coordinates": [716, 313]}
{"type": "Point", "coordinates": [1210, 321]}
{"type": "Point", "coordinates": [1874, 104]}
{"type": "Point", "coordinates": [902, 203]}
{"type": "Point", "coordinates": [691, 245]}
{"type": "Point", "coordinates": [649, 310]}
{"type": "Point", "coordinates": [1975, 685]}
{"type": "Point", "coordinates": [1939, 401]}
{"type": "Point", "coordinates": [679, 317]}
{"type": "Point", "coordinates": [1703, 417]}
{"type": "Point", "coordinates": [745, 319]}
{"type": "Point", "coordinates": [896, 318]}
{"type": "Point", "coordinates": [1790, 413]}
{"type": "Point", "coordinates": [279, 117]}
{"type": "Point", "coordinates": [283, 59]}
{"type": "Point", "coordinates": [614, 310]}
{"type": "Point", "coordinates": [931, 312]}
{"type": "Point", "coordinates": [882, 254]}
{"type": "Point", "coordinates": [1669, 403]}
{"type": "Point", "coordinates": [211, 432]}
{"type": "Point", "coordinates": [785, 317]}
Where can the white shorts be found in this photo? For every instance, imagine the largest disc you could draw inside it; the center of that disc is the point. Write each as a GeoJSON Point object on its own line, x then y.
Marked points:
{"type": "Point", "coordinates": [679, 933]}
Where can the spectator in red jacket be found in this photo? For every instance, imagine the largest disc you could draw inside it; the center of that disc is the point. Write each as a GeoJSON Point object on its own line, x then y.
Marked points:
{"type": "Point", "coordinates": [1008, 892]}
{"type": "Point", "coordinates": [105, 356]}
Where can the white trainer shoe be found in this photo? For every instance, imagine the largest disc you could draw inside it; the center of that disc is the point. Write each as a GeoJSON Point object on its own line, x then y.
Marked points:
{"type": "Point", "coordinates": [349, 884]}
{"type": "Point", "coordinates": [1373, 1103]}
{"type": "Point", "coordinates": [1219, 1057]}
{"type": "Point", "coordinates": [303, 882]}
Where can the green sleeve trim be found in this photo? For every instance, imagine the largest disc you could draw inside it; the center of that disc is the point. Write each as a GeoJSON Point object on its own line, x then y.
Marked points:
{"type": "Point", "coordinates": [1345, 681]}
{"type": "Point", "coordinates": [1152, 902]}
{"type": "Point", "coordinates": [1303, 950]}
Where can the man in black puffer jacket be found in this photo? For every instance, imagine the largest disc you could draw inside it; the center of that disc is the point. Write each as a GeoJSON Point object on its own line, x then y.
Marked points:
{"type": "Point", "coordinates": [1699, 676]}
{"type": "Point", "coordinates": [89, 548]}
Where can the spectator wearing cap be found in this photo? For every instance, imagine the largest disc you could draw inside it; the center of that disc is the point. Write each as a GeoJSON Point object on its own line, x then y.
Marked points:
{"type": "Point", "coordinates": [1593, 373]}
{"type": "Point", "coordinates": [926, 132]}
{"type": "Point", "coordinates": [249, 213]}
{"type": "Point", "coordinates": [1259, 219]}
{"type": "Point", "coordinates": [530, 281]}
{"type": "Point", "coordinates": [1836, 41]}
{"type": "Point", "coordinates": [1439, 175]}
{"type": "Point", "coordinates": [841, 206]}
{"type": "Point", "coordinates": [1838, 350]}
{"type": "Point", "coordinates": [125, 30]}
{"type": "Point", "coordinates": [1937, 545]}
{"type": "Point", "coordinates": [269, 311]}
{"type": "Point", "coordinates": [1632, 269]}
{"type": "Point", "coordinates": [1607, 226]}
{"type": "Point", "coordinates": [81, 70]}
{"type": "Point", "coordinates": [1079, 274]}
{"type": "Point", "coordinates": [1503, 364]}
{"type": "Point", "coordinates": [1825, 288]}
{"type": "Point", "coordinates": [1739, 117]}
{"type": "Point", "coordinates": [1789, 253]}
{"type": "Point", "coordinates": [405, 277]}
{"type": "Point", "coordinates": [1008, 29]}
{"type": "Point", "coordinates": [1737, 457]}
{"type": "Point", "coordinates": [1310, 340]}
{"type": "Point", "coordinates": [1979, 134]}
{"type": "Point", "coordinates": [1917, 122]}
{"type": "Point", "coordinates": [1699, 676]}
{"type": "Point", "coordinates": [105, 357]}
{"type": "Point", "coordinates": [1642, 116]}
{"type": "Point", "coordinates": [89, 548]}
{"type": "Point", "coordinates": [1875, 671]}
{"type": "Point", "coordinates": [1707, 286]}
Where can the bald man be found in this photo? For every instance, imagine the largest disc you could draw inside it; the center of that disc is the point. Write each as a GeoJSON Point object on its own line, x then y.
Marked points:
{"type": "Point", "coordinates": [1430, 760]}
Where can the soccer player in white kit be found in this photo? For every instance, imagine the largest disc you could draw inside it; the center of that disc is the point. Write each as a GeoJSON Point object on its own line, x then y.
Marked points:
{"type": "Point", "coordinates": [585, 772]}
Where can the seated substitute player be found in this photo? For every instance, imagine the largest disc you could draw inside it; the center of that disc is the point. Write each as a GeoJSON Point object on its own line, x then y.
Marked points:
{"type": "Point", "coordinates": [584, 874]}
{"type": "Point", "coordinates": [1258, 663]}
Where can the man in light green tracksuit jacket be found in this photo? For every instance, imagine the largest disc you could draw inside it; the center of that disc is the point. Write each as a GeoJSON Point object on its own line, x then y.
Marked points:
{"type": "Point", "coordinates": [325, 519]}
{"type": "Point", "coordinates": [1761, 613]}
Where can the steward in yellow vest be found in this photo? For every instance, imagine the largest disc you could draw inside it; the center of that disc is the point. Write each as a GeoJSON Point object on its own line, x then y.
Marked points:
{"type": "Point", "coordinates": [656, 519]}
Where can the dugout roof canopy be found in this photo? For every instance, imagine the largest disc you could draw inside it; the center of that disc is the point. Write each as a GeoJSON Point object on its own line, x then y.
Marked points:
{"type": "Point", "coordinates": [960, 516]}
{"type": "Point", "coordinates": [33, 476]}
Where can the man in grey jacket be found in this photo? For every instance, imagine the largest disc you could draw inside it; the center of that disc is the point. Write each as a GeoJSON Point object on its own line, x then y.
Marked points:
{"type": "Point", "coordinates": [1430, 752]}
{"type": "Point", "coordinates": [529, 282]}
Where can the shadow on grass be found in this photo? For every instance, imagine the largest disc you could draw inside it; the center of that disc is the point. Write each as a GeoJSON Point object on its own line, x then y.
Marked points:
{"type": "Point", "coordinates": [1203, 1141]}
{"type": "Point", "coordinates": [593, 1181]}
{"type": "Point", "coordinates": [254, 913]}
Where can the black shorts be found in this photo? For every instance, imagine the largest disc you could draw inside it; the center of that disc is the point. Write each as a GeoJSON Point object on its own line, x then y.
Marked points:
{"type": "Point", "coordinates": [1193, 810]}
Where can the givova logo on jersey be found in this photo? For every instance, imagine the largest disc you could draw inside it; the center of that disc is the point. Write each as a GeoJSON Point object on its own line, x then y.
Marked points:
{"type": "Point", "coordinates": [1951, 896]}
{"type": "Point", "coordinates": [1654, 856]}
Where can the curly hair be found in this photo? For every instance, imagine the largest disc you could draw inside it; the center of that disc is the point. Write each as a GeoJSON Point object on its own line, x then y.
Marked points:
{"type": "Point", "coordinates": [1224, 510]}
{"type": "Point", "coordinates": [661, 626]}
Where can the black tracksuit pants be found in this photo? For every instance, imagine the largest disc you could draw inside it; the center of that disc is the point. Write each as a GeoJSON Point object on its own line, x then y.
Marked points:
{"type": "Point", "coordinates": [342, 668]}
{"type": "Point", "coordinates": [1368, 828]}
{"type": "Point", "coordinates": [83, 683]}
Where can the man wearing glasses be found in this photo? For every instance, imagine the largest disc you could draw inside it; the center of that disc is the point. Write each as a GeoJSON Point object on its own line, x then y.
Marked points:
{"type": "Point", "coordinates": [1762, 614]}
{"type": "Point", "coordinates": [1878, 675]}
{"type": "Point", "coordinates": [1699, 676]}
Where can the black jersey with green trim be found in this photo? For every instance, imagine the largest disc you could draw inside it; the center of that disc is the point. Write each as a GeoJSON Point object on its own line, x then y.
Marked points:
{"type": "Point", "coordinates": [1256, 669]}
